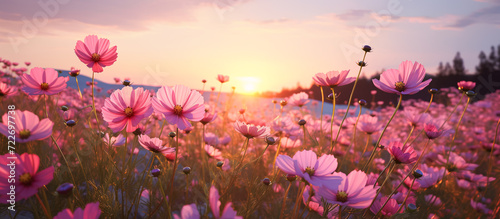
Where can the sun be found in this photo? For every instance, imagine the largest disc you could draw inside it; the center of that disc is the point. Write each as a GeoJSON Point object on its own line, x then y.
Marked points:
{"type": "Point", "coordinates": [249, 88]}
{"type": "Point", "coordinates": [248, 85]}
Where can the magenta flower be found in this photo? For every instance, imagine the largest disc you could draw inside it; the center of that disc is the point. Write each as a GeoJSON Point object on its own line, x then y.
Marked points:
{"type": "Point", "coordinates": [223, 78]}
{"type": "Point", "coordinates": [179, 105]}
{"type": "Point", "coordinates": [188, 212]}
{"type": "Point", "coordinates": [406, 80]}
{"type": "Point", "coordinates": [27, 178]}
{"type": "Point", "coordinates": [6, 90]}
{"type": "Point", "coordinates": [306, 164]}
{"type": "Point", "coordinates": [43, 81]}
{"type": "Point", "coordinates": [208, 117]}
{"type": "Point", "coordinates": [95, 52]}
{"type": "Point", "coordinates": [351, 192]}
{"type": "Point", "coordinates": [114, 141]}
{"type": "Point", "coordinates": [466, 85]}
{"type": "Point", "coordinates": [402, 153]}
{"type": "Point", "coordinates": [27, 126]}
{"type": "Point", "coordinates": [126, 107]}
{"type": "Point", "coordinates": [299, 99]}
{"type": "Point", "coordinates": [369, 124]}
{"type": "Point", "coordinates": [215, 205]}
{"type": "Point", "coordinates": [432, 130]}
{"type": "Point", "coordinates": [91, 211]}
{"type": "Point", "coordinates": [251, 130]}
{"type": "Point", "coordinates": [391, 208]}
{"type": "Point", "coordinates": [333, 79]}
{"type": "Point", "coordinates": [154, 145]}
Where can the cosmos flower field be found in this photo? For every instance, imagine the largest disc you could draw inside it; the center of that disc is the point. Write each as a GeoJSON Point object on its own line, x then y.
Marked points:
{"type": "Point", "coordinates": [173, 153]}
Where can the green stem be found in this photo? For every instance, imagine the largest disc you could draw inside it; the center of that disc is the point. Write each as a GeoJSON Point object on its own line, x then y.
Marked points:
{"type": "Point", "coordinates": [45, 210]}
{"type": "Point", "coordinates": [321, 115]}
{"type": "Point", "coordinates": [283, 205]}
{"type": "Point", "coordinates": [407, 195]}
{"type": "Point", "coordinates": [490, 165]}
{"type": "Point", "coordinates": [170, 198]}
{"type": "Point", "coordinates": [331, 123]}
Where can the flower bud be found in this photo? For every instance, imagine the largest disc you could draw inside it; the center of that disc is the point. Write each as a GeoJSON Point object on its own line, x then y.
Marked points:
{"type": "Point", "coordinates": [417, 173]}
{"type": "Point", "coordinates": [411, 208]}
{"type": "Point", "coordinates": [70, 123]}
{"type": "Point", "coordinates": [155, 172]}
{"type": "Point", "coordinates": [220, 163]}
{"type": "Point", "coordinates": [126, 83]}
{"type": "Point", "coordinates": [367, 48]}
{"type": "Point", "coordinates": [330, 96]}
{"type": "Point", "coordinates": [302, 122]}
{"type": "Point", "coordinates": [291, 177]}
{"type": "Point", "coordinates": [275, 101]}
{"type": "Point", "coordinates": [470, 94]}
{"type": "Point", "coordinates": [203, 81]}
{"type": "Point", "coordinates": [283, 103]}
{"type": "Point", "coordinates": [270, 140]}
{"type": "Point", "coordinates": [64, 108]}
{"type": "Point", "coordinates": [266, 181]}
{"type": "Point", "coordinates": [433, 91]}
{"type": "Point", "coordinates": [172, 134]}
{"type": "Point", "coordinates": [361, 63]}
{"type": "Point", "coordinates": [65, 189]}
{"type": "Point", "coordinates": [186, 170]}
{"type": "Point", "coordinates": [362, 102]}
{"type": "Point", "coordinates": [74, 73]}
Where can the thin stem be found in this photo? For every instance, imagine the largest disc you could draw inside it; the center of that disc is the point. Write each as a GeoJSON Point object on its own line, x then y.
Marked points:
{"type": "Point", "coordinates": [167, 207]}
{"type": "Point", "coordinates": [409, 135]}
{"type": "Point", "coordinates": [218, 95]}
{"type": "Point", "coordinates": [350, 97]}
{"type": "Point", "coordinates": [383, 171]}
{"type": "Point", "coordinates": [394, 164]}
{"type": "Point", "coordinates": [47, 212]}
{"type": "Point", "coordinates": [321, 115]}
{"type": "Point", "coordinates": [170, 198]}
{"type": "Point", "coordinates": [407, 195]}
{"type": "Point", "coordinates": [299, 197]}
{"type": "Point", "coordinates": [385, 128]}
{"type": "Point", "coordinates": [78, 86]}
{"type": "Point", "coordinates": [429, 106]}
{"type": "Point", "coordinates": [490, 159]}
{"type": "Point", "coordinates": [283, 205]}
{"type": "Point", "coordinates": [331, 123]}
{"type": "Point", "coordinates": [353, 142]}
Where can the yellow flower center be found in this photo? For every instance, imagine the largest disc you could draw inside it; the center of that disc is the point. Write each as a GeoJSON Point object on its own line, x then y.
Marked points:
{"type": "Point", "coordinates": [400, 86]}
{"type": "Point", "coordinates": [178, 110]}
{"type": "Point", "coordinates": [96, 57]}
{"type": "Point", "coordinates": [310, 171]}
{"type": "Point", "coordinates": [44, 86]}
{"type": "Point", "coordinates": [26, 179]}
{"type": "Point", "coordinates": [129, 112]}
{"type": "Point", "coordinates": [24, 134]}
{"type": "Point", "coordinates": [342, 196]}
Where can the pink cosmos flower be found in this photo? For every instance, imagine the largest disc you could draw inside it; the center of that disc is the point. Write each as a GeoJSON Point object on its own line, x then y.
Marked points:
{"type": "Point", "coordinates": [431, 175]}
{"type": "Point", "coordinates": [351, 192]}
{"type": "Point", "coordinates": [391, 208]}
{"type": "Point", "coordinates": [208, 117]}
{"type": "Point", "coordinates": [251, 131]}
{"type": "Point", "coordinates": [402, 153]}
{"type": "Point", "coordinates": [432, 130]}
{"type": "Point", "coordinates": [369, 124]}
{"type": "Point", "coordinates": [333, 78]}
{"type": "Point", "coordinates": [188, 212]}
{"type": "Point", "coordinates": [26, 125]}
{"type": "Point", "coordinates": [456, 163]}
{"type": "Point", "coordinates": [95, 52]}
{"type": "Point", "coordinates": [215, 205]}
{"type": "Point", "coordinates": [306, 164]}
{"type": "Point", "coordinates": [6, 90]}
{"type": "Point", "coordinates": [406, 80]}
{"type": "Point", "coordinates": [126, 107]}
{"type": "Point", "coordinates": [91, 211]}
{"type": "Point", "coordinates": [213, 152]}
{"type": "Point", "coordinates": [299, 99]}
{"type": "Point", "coordinates": [154, 145]}
{"type": "Point", "coordinates": [179, 105]}
{"type": "Point", "coordinates": [466, 85]}
{"type": "Point", "coordinates": [27, 179]}
{"type": "Point", "coordinates": [223, 78]}
{"type": "Point", "coordinates": [114, 141]}
{"type": "Point", "coordinates": [43, 81]}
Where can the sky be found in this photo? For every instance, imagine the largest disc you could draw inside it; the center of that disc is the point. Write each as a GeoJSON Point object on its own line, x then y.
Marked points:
{"type": "Point", "coordinates": [263, 45]}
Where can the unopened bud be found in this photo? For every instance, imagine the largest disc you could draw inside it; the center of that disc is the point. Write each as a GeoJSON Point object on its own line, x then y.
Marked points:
{"type": "Point", "coordinates": [302, 122]}
{"type": "Point", "coordinates": [186, 170]}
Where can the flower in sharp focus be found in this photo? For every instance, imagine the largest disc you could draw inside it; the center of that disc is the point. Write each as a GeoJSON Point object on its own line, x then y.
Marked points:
{"type": "Point", "coordinates": [27, 126]}
{"type": "Point", "coordinates": [466, 85]}
{"type": "Point", "coordinates": [27, 177]}
{"type": "Point", "coordinates": [6, 90]}
{"type": "Point", "coordinates": [402, 153]}
{"type": "Point", "coordinates": [215, 205]}
{"type": "Point", "coordinates": [179, 105]}
{"type": "Point", "coordinates": [251, 131]}
{"type": "Point", "coordinates": [333, 79]}
{"type": "Point", "coordinates": [406, 80]}
{"type": "Point", "coordinates": [223, 78]}
{"type": "Point", "coordinates": [126, 107]}
{"type": "Point", "coordinates": [154, 145]}
{"type": "Point", "coordinates": [95, 52]}
{"type": "Point", "coordinates": [43, 81]}
{"type": "Point", "coordinates": [306, 164]}
{"type": "Point", "coordinates": [351, 192]}
{"type": "Point", "coordinates": [91, 211]}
